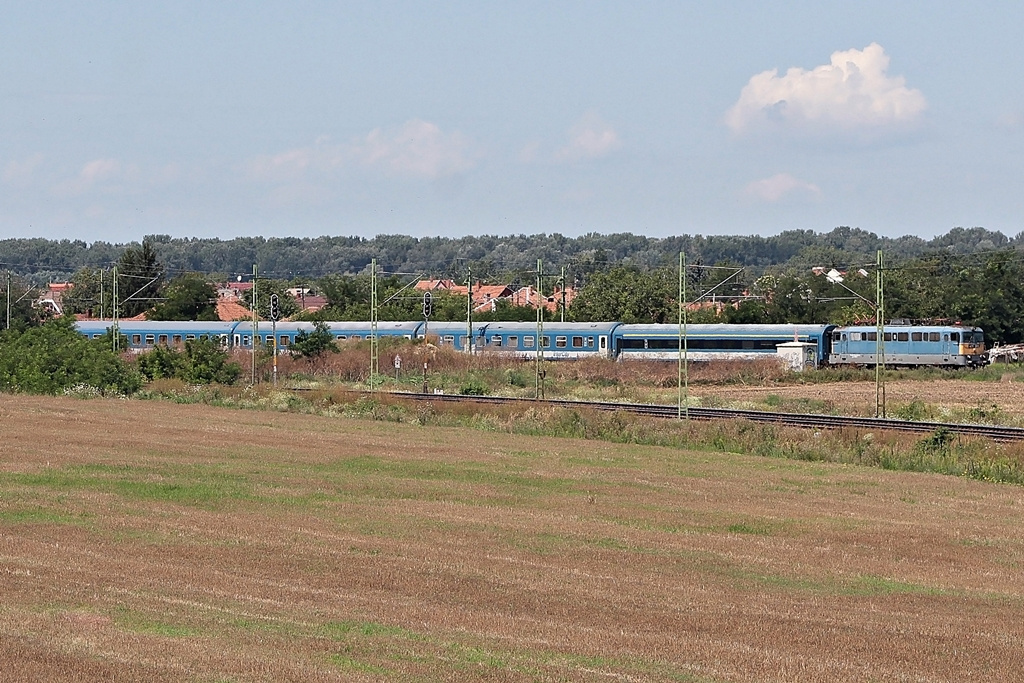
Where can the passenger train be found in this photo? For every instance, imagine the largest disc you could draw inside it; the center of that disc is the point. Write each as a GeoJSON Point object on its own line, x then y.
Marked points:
{"type": "Point", "coordinates": [821, 345]}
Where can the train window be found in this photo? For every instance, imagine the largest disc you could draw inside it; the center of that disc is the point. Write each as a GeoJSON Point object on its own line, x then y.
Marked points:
{"type": "Point", "coordinates": [915, 336]}
{"type": "Point", "coordinates": [545, 342]}
{"type": "Point", "coordinates": [246, 340]}
{"type": "Point", "coordinates": [136, 339]}
{"type": "Point", "coordinates": [577, 342]}
{"type": "Point", "coordinates": [342, 337]}
{"type": "Point", "coordinates": [449, 339]}
{"type": "Point", "coordinates": [561, 342]}
{"type": "Point", "coordinates": [902, 336]}
{"type": "Point", "coordinates": [150, 340]}
{"type": "Point", "coordinates": [513, 342]}
{"type": "Point", "coordinates": [284, 340]}
{"type": "Point", "coordinates": [933, 336]}
{"type": "Point", "coordinates": [189, 337]}
{"type": "Point", "coordinates": [496, 341]}
{"type": "Point", "coordinates": [945, 337]}
{"type": "Point", "coordinates": [163, 339]}
{"type": "Point", "coordinates": [955, 336]}
{"type": "Point", "coordinates": [870, 336]}
{"type": "Point", "coordinates": [223, 340]}
{"type": "Point", "coordinates": [590, 342]}
{"type": "Point", "coordinates": [528, 341]}
{"type": "Point", "coordinates": [835, 336]}
{"type": "Point", "coordinates": [887, 336]}
{"type": "Point", "coordinates": [855, 336]}
{"type": "Point", "coordinates": [238, 339]}
{"type": "Point", "coordinates": [96, 336]}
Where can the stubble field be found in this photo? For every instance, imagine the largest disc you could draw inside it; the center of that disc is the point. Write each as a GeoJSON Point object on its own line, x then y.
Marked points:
{"type": "Point", "coordinates": [153, 541]}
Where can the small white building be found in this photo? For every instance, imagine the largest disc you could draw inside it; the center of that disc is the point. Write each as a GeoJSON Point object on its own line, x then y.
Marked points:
{"type": "Point", "coordinates": [798, 355]}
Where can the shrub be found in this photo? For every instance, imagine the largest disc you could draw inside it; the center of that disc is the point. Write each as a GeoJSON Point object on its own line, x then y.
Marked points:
{"type": "Point", "coordinates": [49, 358]}
{"type": "Point", "coordinates": [473, 387]}
{"type": "Point", "coordinates": [206, 361]}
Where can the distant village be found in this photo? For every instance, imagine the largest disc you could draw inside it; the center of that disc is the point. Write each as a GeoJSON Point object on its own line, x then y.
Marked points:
{"type": "Point", "coordinates": [230, 297]}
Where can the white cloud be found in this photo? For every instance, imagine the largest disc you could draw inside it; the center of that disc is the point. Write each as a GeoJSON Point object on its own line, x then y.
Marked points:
{"type": "Point", "coordinates": [589, 138]}
{"type": "Point", "coordinates": [778, 186]}
{"type": "Point", "coordinates": [853, 93]}
{"type": "Point", "coordinates": [418, 149]}
{"type": "Point", "coordinates": [99, 170]}
{"type": "Point", "coordinates": [98, 173]}
{"type": "Point", "coordinates": [21, 172]}
{"type": "Point", "coordinates": [293, 164]}
{"type": "Point", "coordinates": [1012, 120]}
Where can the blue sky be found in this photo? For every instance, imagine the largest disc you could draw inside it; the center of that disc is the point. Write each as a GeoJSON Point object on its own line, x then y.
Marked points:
{"type": "Point", "coordinates": [222, 119]}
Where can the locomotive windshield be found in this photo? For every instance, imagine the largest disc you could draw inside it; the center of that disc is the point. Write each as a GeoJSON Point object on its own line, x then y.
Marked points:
{"type": "Point", "coordinates": [973, 336]}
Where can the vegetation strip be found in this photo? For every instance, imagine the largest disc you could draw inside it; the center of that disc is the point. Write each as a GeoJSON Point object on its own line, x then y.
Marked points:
{"type": "Point", "coordinates": [791, 419]}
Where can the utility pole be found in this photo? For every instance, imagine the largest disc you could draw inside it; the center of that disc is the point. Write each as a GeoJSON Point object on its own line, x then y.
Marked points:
{"type": "Point", "coordinates": [469, 310]}
{"type": "Point", "coordinates": [374, 361]}
{"type": "Point", "coordinates": [114, 316]}
{"type": "Point", "coordinates": [101, 294]}
{"type": "Point", "coordinates": [275, 313]}
{"type": "Point", "coordinates": [255, 319]}
{"type": "Point", "coordinates": [562, 287]}
{"type": "Point", "coordinates": [8, 299]}
{"type": "Point", "coordinates": [684, 367]}
{"type": "Point", "coordinates": [879, 338]}
{"type": "Point", "coordinates": [540, 333]}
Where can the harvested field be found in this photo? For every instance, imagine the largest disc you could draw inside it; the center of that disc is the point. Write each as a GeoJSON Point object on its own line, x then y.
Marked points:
{"type": "Point", "coordinates": [155, 541]}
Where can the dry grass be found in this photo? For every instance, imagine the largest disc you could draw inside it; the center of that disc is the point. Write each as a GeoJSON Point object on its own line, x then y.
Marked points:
{"type": "Point", "coordinates": [154, 541]}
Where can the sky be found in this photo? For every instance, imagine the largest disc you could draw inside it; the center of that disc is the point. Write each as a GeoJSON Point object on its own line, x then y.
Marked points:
{"type": "Point", "coordinates": [225, 119]}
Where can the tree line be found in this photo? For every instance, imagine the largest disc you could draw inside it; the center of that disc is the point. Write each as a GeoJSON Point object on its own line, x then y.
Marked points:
{"type": "Point", "coordinates": [490, 257]}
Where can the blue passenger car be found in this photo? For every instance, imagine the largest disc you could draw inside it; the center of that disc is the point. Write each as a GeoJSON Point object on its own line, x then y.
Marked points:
{"type": "Point", "coordinates": [342, 331]}
{"type": "Point", "coordinates": [717, 341]}
{"type": "Point", "coordinates": [146, 334]}
{"type": "Point", "coordinates": [454, 334]}
{"type": "Point", "coordinates": [909, 345]}
{"type": "Point", "coordinates": [560, 341]}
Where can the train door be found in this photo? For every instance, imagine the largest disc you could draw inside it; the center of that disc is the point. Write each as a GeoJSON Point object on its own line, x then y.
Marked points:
{"type": "Point", "coordinates": [602, 344]}
{"type": "Point", "coordinates": [839, 343]}
{"type": "Point", "coordinates": [945, 346]}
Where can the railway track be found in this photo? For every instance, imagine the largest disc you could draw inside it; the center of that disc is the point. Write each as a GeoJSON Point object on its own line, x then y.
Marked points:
{"type": "Point", "coordinates": [810, 421]}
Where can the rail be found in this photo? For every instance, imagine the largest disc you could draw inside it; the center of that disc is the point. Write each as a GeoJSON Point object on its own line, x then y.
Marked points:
{"type": "Point", "coordinates": [805, 420]}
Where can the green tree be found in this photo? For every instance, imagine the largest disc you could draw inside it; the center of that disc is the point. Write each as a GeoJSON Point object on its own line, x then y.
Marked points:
{"type": "Point", "coordinates": [286, 303]}
{"type": "Point", "coordinates": [628, 295]}
{"type": "Point", "coordinates": [91, 293]}
{"type": "Point", "coordinates": [22, 295]}
{"type": "Point", "coordinates": [54, 356]}
{"type": "Point", "coordinates": [140, 279]}
{"type": "Point", "coordinates": [160, 363]}
{"type": "Point", "coordinates": [206, 361]}
{"type": "Point", "coordinates": [315, 343]}
{"type": "Point", "coordinates": [187, 297]}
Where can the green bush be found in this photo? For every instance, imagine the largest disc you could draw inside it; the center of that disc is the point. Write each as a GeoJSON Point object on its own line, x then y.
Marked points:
{"type": "Point", "coordinates": [53, 357]}
{"type": "Point", "coordinates": [473, 387]}
{"type": "Point", "coordinates": [206, 361]}
{"type": "Point", "coordinates": [160, 363]}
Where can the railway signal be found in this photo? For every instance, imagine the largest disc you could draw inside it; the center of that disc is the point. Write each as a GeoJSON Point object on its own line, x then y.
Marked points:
{"type": "Point", "coordinates": [275, 310]}
{"type": "Point", "coordinates": [428, 304]}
